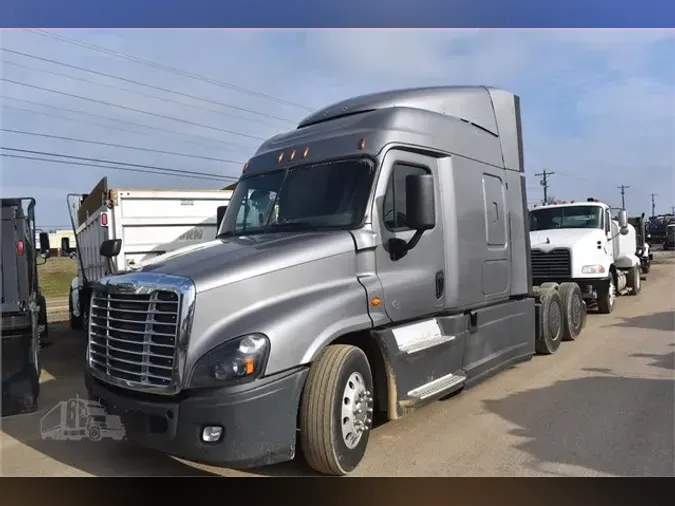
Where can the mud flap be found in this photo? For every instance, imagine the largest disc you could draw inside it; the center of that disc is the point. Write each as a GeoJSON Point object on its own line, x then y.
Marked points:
{"type": "Point", "coordinates": [20, 374]}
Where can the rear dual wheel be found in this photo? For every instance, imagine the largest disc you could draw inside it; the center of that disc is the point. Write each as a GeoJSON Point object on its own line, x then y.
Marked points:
{"type": "Point", "coordinates": [574, 310]}
{"type": "Point", "coordinates": [551, 333]}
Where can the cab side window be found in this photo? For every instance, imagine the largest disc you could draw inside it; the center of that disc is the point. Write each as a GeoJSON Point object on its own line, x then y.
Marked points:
{"type": "Point", "coordinates": [394, 212]}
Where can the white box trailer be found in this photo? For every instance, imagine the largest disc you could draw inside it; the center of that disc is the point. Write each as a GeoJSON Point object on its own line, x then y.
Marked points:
{"type": "Point", "coordinates": [149, 222]}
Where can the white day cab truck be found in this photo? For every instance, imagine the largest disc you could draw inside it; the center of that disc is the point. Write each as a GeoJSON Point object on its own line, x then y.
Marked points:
{"type": "Point", "coordinates": [578, 244]}
{"type": "Point", "coordinates": [373, 260]}
{"type": "Point", "coordinates": [148, 222]}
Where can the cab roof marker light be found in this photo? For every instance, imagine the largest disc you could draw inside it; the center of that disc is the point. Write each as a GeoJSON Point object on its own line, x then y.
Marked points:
{"type": "Point", "coordinates": [305, 152]}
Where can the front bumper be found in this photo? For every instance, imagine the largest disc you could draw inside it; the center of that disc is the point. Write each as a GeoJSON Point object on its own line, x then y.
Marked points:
{"type": "Point", "coordinates": [259, 420]}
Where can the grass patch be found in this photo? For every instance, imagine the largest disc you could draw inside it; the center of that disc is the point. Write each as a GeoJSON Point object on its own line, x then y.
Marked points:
{"type": "Point", "coordinates": [55, 277]}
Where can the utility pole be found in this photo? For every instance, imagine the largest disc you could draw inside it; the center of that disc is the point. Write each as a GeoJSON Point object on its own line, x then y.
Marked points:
{"type": "Point", "coordinates": [544, 182]}
{"type": "Point", "coordinates": [623, 188]}
{"type": "Point", "coordinates": [653, 204]}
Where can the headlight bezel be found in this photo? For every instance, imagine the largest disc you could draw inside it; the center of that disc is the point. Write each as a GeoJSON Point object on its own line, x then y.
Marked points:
{"type": "Point", "coordinates": [224, 355]}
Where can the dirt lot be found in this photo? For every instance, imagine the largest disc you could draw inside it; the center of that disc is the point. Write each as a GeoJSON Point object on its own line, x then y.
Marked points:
{"type": "Point", "coordinates": [601, 406]}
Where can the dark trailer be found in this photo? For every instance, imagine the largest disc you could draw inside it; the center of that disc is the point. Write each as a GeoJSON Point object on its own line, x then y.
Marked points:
{"type": "Point", "coordinates": [24, 310]}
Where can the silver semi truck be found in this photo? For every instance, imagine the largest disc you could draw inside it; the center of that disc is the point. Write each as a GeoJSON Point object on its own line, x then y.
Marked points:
{"type": "Point", "coordinates": [373, 260]}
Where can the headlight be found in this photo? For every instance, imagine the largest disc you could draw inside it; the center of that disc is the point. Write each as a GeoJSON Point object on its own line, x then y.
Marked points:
{"type": "Point", "coordinates": [235, 361]}
{"type": "Point", "coordinates": [639, 252]}
{"type": "Point", "coordinates": [592, 269]}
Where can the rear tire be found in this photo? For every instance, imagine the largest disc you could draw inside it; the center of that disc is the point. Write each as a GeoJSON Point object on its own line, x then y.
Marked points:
{"type": "Point", "coordinates": [634, 281]}
{"type": "Point", "coordinates": [336, 410]}
{"type": "Point", "coordinates": [607, 296]}
{"type": "Point", "coordinates": [573, 310]}
{"type": "Point", "coordinates": [76, 322]}
{"type": "Point", "coordinates": [552, 324]}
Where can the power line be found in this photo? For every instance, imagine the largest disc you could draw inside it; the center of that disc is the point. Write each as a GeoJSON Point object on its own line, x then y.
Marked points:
{"type": "Point", "coordinates": [544, 182]}
{"type": "Point", "coordinates": [623, 189]}
{"type": "Point", "coordinates": [138, 83]}
{"type": "Point", "coordinates": [127, 169]}
{"type": "Point", "coordinates": [126, 122]}
{"type": "Point", "coordinates": [115, 162]}
{"type": "Point", "coordinates": [122, 146]}
{"type": "Point", "coordinates": [166, 68]}
{"type": "Point", "coordinates": [110, 104]}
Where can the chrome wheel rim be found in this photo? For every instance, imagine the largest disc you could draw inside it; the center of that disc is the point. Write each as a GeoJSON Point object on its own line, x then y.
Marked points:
{"type": "Point", "coordinates": [356, 410]}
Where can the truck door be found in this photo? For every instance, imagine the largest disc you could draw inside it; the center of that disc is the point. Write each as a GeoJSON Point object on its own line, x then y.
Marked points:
{"type": "Point", "coordinates": [9, 262]}
{"type": "Point", "coordinates": [414, 285]}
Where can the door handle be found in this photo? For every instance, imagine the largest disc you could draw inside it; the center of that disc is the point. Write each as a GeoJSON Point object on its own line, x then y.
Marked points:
{"type": "Point", "coordinates": [440, 284]}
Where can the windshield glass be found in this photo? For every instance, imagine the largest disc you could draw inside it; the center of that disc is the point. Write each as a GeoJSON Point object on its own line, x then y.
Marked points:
{"type": "Point", "coordinates": [566, 217]}
{"type": "Point", "coordinates": [311, 197]}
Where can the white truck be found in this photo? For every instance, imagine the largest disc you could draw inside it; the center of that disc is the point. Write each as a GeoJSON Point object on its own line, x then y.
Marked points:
{"type": "Point", "coordinates": [149, 222]}
{"type": "Point", "coordinates": [580, 243]}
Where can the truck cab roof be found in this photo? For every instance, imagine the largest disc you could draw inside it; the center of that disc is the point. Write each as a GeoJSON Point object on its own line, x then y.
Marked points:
{"type": "Point", "coordinates": [479, 122]}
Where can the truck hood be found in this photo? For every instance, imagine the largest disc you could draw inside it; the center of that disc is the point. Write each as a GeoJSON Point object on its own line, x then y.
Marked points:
{"type": "Point", "coordinates": [224, 261]}
{"type": "Point", "coordinates": [564, 237]}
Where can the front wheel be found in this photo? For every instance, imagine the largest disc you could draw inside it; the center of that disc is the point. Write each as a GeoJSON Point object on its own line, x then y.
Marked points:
{"type": "Point", "coordinates": [336, 410]}
{"type": "Point", "coordinates": [76, 322]}
{"type": "Point", "coordinates": [607, 296]}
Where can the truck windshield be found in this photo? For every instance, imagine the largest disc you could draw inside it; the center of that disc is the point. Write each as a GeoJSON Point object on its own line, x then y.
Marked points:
{"type": "Point", "coordinates": [311, 197]}
{"type": "Point", "coordinates": [566, 217]}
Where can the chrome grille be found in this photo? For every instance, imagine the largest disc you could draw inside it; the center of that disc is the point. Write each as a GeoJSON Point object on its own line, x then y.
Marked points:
{"type": "Point", "coordinates": [133, 337]}
{"type": "Point", "coordinates": [556, 264]}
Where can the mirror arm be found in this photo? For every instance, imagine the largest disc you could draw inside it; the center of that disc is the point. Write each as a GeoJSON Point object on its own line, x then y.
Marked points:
{"type": "Point", "coordinates": [398, 248]}
{"type": "Point", "coordinates": [414, 240]}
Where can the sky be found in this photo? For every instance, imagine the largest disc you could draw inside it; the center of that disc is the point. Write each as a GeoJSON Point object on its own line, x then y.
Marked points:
{"type": "Point", "coordinates": [598, 105]}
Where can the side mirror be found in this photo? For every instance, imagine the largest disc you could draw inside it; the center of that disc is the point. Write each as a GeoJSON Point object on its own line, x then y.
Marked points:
{"type": "Point", "coordinates": [45, 247]}
{"type": "Point", "coordinates": [111, 248]}
{"type": "Point", "coordinates": [220, 214]}
{"type": "Point", "coordinates": [420, 207]}
{"type": "Point", "coordinates": [420, 202]}
{"type": "Point", "coordinates": [623, 218]}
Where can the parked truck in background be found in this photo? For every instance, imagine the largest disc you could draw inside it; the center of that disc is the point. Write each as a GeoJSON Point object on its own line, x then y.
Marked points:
{"type": "Point", "coordinates": [643, 247]}
{"type": "Point", "coordinates": [669, 239]}
{"type": "Point", "coordinates": [580, 243]}
{"type": "Point", "coordinates": [373, 260]}
{"type": "Point", "coordinates": [24, 309]}
{"type": "Point", "coordinates": [148, 222]}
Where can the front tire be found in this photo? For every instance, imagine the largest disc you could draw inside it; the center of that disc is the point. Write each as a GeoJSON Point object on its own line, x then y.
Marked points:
{"type": "Point", "coordinates": [336, 410]}
{"type": "Point", "coordinates": [634, 281]}
{"type": "Point", "coordinates": [76, 322]}
{"type": "Point", "coordinates": [607, 296]}
{"type": "Point", "coordinates": [573, 310]}
{"type": "Point", "coordinates": [551, 319]}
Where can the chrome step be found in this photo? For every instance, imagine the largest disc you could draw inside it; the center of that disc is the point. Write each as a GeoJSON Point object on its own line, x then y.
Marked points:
{"type": "Point", "coordinates": [427, 343]}
{"type": "Point", "coordinates": [437, 386]}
